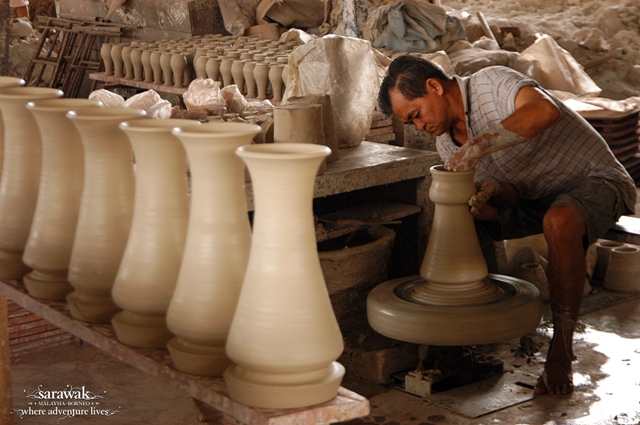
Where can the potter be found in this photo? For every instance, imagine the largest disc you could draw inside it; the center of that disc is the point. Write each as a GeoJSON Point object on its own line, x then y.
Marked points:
{"type": "Point", "coordinates": [550, 173]}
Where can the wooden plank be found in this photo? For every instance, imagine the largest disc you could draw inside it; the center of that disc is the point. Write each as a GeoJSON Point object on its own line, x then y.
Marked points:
{"type": "Point", "coordinates": [347, 405]}
{"type": "Point", "coordinates": [99, 76]}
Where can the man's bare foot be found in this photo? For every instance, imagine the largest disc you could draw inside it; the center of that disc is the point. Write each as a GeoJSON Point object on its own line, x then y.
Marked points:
{"type": "Point", "coordinates": [557, 378]}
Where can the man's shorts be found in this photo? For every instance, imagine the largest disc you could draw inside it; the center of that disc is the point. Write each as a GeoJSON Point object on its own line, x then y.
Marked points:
{"type": "Point", "coordinates": [597, 199]}
{"type": "Point", "coordinates": [18, 3]}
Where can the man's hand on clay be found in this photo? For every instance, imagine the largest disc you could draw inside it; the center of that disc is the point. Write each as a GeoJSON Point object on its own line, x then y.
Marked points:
{"type": "Point", "coordinates": [486, 190]}
{"type": "Point", "coordinates": [465, 158]}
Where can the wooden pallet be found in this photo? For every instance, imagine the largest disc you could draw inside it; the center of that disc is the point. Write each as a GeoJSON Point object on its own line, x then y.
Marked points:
{"type": "Point", "coordinates": [621, 131]}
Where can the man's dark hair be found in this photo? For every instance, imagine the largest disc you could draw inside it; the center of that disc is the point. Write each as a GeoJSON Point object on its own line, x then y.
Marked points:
{"type": "Point", "coordinates": [407, 74]}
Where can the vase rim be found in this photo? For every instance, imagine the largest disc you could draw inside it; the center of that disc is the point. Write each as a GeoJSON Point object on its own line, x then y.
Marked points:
{"type": "Point", "coordinates": [439, 169]}
{"type": "Point", "coordinates": [155, 125]}
{"type": "Point", "coordinates": [22, 91]}
{"type": "Point", "coordinates": [6, 81]}
{"type": "Point", "coordinates": [106, 114]}
{"type": "Point", "coordinates": [283, 150]}
{"type": "Point", "coordinates": [61, 104]}
{"type": "Point", "coordinates": [218, 128]}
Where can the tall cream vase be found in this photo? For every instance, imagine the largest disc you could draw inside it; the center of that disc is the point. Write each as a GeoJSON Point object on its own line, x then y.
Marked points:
{"type": "Point", "coordinates": [106, 209]}
{"type": "Point", "coordinates": [284, 337]}
{"type": "Point", "coordinates": [20, 174]}
{"type": "Point", "coordinates": [6, 82]}
{"type": "Point", "coordinates": [217, 247]}
{"type": "Point", "coordinates": [48, 249]}
{"type": "Point", "coordinates": [149, 268]}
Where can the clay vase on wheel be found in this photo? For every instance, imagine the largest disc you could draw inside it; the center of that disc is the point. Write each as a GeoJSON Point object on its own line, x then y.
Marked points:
{"type": "Point", "coordinates": [454, 301]}
{"type": "Point", "coordinates": [106, 209]}
{"type": "Point", "coordinates": [217, 247]}
{"type": "Point", "coordinates": [48, 249]}
{"type": "Point", "coordinates": [21, 167]}
{"type": "Point", "coordinates": [284, 338]}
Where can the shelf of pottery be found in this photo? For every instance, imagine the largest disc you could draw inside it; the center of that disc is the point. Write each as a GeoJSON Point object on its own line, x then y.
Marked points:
{"type": "Point", "coordinates": [181, 285]}
{"type": "Point", "coordinates": [258, 67]}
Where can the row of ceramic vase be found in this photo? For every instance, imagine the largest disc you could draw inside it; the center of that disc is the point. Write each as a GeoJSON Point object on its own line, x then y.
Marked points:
{"type": "Point", "coordinates": [124, 243]}
{"type": "Point", "coordinates": [258, 67]}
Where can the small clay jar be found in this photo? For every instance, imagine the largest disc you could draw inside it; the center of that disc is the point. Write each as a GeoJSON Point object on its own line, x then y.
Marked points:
{"type": "Point", "coordinates": [200, 66]}
{"type": "Point", "coordinates": [623, 272]}
{"type": "Point", "coordinates": [225, 71]}
{"type": "Point", "coordinates": [275, 78]}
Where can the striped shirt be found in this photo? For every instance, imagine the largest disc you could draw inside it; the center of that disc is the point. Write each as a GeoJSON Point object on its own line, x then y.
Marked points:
{"type": "Point", "coordinates": [552, 161]}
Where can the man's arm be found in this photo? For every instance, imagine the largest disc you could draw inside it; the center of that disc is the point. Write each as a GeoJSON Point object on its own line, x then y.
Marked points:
{"type": "Point", "coordinates": [535, 112]}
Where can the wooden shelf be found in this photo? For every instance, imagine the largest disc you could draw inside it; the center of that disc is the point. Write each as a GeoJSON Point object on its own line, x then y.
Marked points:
{"type": "Point", "coordinates": [212, 391]}
{"type": "Point", "coordinates": [100, 76]}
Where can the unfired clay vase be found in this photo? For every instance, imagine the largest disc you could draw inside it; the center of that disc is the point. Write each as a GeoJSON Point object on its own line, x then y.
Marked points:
{"type": "Point", "coordinates": [126, 61]}
{"type": "Point", "coordinates": [275, 78]}
{"type": "Point", "coordinates": [167, 72]}
{"type": "Point", "coordinates": [249, 80]}
{"type": "Point", "coordinates": [213, 68]}
{"type": "Point", "coordinates": [136, 63]}
{"type": "Point", "coordinates": [147, 68]}
{"type": "Point", "coordinates": [106, 209]}
{"type": "Point", "coordinates": [534, 273]}
{"type": "Point", "coordinates": [454, 301]}
{"type": "Point", "coordinates": [178, 66]}
{"type": "Point", "coordinates": [20, 174]}
{"type": "Point", "coordinates": [237, 73]}
{"type": "Point", "coordinates": [105, 54]}
{"type": "Point", "coordinates": [299, 123]}
{"type": "Point", "coordinates": [225, 71]}
{"type": "Point", "coordinates": [623, 272]}
{"type": "Point", "coordinates": [216, 250]}
{"type": "Point", "coordinates": [149, 268]}
{"type": "Point", "coordinates": [48, 249]}
{"type": "Point", "coordinates": [284, 337]}
{"type": "Point", "coordinates": [156, 66]}
{"type": "Point", "coordinates": [261, 75]}
{"type": "Point", "coordinates": [116, 57]}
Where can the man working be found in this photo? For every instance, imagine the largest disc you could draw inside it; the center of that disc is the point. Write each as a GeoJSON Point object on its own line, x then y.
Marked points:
{"type": "Point", "coordinates": [540, 168]}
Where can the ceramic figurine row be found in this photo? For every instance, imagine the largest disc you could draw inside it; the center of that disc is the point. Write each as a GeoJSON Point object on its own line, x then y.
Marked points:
{"type": "Point", "coordinates": [124, 243]}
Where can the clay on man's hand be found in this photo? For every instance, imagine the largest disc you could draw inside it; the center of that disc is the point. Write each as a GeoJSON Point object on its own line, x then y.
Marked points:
{"type": "Point", "coordinates": [486, 190]}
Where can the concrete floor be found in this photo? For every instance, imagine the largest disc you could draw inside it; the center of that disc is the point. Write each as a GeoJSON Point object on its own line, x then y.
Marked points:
{"type": "Point", "coordinates": [607, 378]}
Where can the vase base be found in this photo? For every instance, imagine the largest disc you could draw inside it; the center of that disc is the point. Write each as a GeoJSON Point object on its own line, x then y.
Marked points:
{"type": "Point", "coordinates": [11, 266]}
{"type": "Point", "coordinates": [141, 330]}
{"type": "Point", "coordinates": [47, 286]}
{"type": "Point", "coordinates": [392, 313]}
{"type": "Point", "coordinates": [91, 309]}
{"type": "Point", "coordinates": [282, 395]}
{"type": "Point", "coordinates": [198, 359]}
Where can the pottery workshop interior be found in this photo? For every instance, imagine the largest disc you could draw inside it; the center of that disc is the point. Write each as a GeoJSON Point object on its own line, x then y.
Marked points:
{"type": "Point", "coordinates": [303, 212]}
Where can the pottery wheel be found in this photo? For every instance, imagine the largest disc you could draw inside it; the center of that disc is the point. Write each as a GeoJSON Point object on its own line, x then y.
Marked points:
{"type": "Point", "coordinates": [514, 309]}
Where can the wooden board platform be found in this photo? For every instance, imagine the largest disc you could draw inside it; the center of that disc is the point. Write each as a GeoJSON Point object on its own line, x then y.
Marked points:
{"type": "Point", "coordinates": [347, 405]}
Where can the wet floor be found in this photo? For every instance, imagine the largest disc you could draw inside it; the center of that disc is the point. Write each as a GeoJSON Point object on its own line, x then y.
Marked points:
{"type": "Point", "coordinates": [606, 375]}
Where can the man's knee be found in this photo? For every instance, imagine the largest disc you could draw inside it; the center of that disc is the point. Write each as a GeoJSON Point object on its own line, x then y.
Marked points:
{"type": "Point", "coordinates": [564, 224]}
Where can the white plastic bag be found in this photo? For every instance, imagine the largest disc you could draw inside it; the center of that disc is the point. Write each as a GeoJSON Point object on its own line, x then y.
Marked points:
{"type": "Point", "coordinates": [344, 68]}
{"type": "Point", "coordinates": [108, 98]}
{"type": "Point", "coordinates": [151, 102]}
{"type": "Point", "coordinates": [204, 94]}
